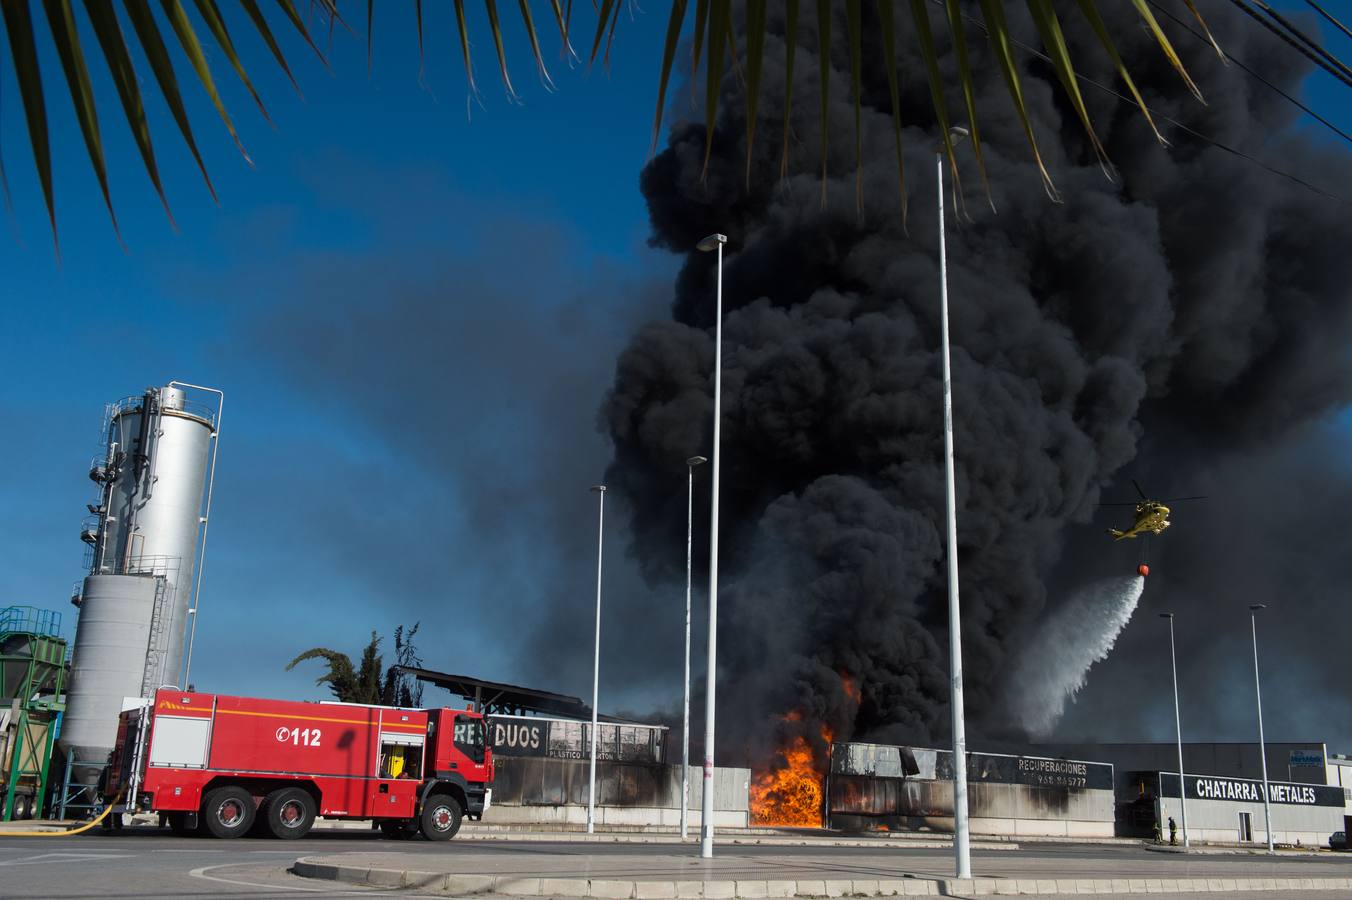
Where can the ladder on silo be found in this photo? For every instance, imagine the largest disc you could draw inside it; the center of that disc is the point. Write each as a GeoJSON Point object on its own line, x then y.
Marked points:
{"type": "Point", "coordinates": [156, 646]}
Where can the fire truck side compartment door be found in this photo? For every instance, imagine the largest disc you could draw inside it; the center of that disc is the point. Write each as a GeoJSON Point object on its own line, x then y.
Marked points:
{"type": "Point", "coordinates": [180, 742]}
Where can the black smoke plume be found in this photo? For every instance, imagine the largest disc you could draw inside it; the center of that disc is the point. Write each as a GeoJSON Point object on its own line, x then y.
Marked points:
{"type": "Point", "coordinates": [1179, 322]}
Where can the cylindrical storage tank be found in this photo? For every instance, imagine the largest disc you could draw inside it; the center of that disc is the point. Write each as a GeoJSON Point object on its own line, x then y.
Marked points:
{"type": "Point", "coordinates": [155, 508]}
{"type": "Point", "coordinates": [108, 661]}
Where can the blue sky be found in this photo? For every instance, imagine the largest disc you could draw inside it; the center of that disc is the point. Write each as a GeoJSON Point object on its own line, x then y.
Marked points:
{"type": "Point", "coordinates": [381, 181]}
{"type": "Point", "coordinates": [506, 251]}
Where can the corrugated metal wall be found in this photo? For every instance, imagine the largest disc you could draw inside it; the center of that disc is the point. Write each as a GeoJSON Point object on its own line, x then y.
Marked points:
{"type": "Point", "coordinates": [538, 781]}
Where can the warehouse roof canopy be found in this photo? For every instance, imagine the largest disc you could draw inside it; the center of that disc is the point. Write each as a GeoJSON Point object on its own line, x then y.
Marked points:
{"type": "Point", "coordinates": [497, 698]}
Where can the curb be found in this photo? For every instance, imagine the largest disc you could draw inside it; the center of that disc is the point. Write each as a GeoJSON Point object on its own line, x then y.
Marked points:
{"type": "Point", "coordinates": [909, 886]}
{"type": "Point", "coordinates": [763, 839]}
{"type": "Point", "coordinates": [874, 844]}
{"type": "Point", "coordinates": [1213, 850]}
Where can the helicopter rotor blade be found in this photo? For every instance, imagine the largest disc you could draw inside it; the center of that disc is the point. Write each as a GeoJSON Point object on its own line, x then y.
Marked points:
{"type": "Point", "coordinates": [1138, 489]}
{"type": "Point", "coordinates": [1176, 499]}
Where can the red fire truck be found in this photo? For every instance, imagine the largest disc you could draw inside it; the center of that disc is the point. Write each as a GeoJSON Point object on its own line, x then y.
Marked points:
{"type": "Point", "coordinates": [224, 764]}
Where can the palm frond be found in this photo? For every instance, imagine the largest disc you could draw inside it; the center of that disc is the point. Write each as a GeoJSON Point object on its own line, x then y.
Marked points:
{"type": "Point", "coordinates": [713, 43]}
{"type": "Point", "coordinates": [65, 34]}
{"type": "Point", "coordinates": [999, 35]}
{"type": "Point", "coordinates": [925, 37]}
{"type": "Point", "coordinates": [824, 76]}
{"type": "Point", "coordinates": [23, 47]}
{"type": "Point", "coordinates": [192, 47]}
{"type": "Point", "coordinates": [854, 29]}
{"type": "Point", "coordinates": [1054, 44]}
{"type": "Point", "coordinates": [955, 25]}
{"type": "Point", "coordinates": [887, 23]}
{"type": "Point", "coordinates": [152, 44]}
{"type": "Point", "coordinates": [755, 56]}
{"type": "Point", "coordinates": [791, 45]}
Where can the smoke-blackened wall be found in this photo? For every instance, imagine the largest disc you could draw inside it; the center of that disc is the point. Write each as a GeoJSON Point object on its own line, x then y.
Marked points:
{"type": "Point", "coordinates": [1193, 312]}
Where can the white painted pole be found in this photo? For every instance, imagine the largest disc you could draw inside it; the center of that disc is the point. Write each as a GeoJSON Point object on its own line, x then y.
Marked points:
{"type": "Point", "coordinates": [961, 838]}
{"type": "Point", "coordinates": [706, 825]}
{"type": "Point", "coordinates": [596, 660]}
{"type": "Point", "coordinates": [1178, 731]}
{"type": "Point", "coordinates": [685, 706]}
{"type": "Point", "coordinates": [1262, 745]}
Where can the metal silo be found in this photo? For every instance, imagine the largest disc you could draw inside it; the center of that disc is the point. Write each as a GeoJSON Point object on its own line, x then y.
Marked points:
{"type": "Point", "coordinates": [146, 533]}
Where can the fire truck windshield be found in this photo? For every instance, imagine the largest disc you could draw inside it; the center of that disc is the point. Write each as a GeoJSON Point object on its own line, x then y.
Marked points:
{"type": "Point", "coordinates": [469, 738]}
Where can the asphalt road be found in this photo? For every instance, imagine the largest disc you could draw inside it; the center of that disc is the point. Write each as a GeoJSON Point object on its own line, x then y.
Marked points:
{"type": "Point", "coordinates": [144, 862]}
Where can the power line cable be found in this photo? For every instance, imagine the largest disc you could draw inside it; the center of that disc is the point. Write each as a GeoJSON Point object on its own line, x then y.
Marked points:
{"type": "Point", "coordinates": [1253, 14]}
{"type": "Point", "coordinates": [1323, 12]}
{"type": "Point", "coordinates": [1231, 58]}
{"type": "Point", "coordinates": [1177, 124]}
{"type": "Point", "coordinates": [1304, 38]}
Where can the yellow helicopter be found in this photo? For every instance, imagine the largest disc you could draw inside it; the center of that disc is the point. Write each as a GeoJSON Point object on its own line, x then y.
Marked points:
{"type": "Point", "coordinates": [1152, 516]}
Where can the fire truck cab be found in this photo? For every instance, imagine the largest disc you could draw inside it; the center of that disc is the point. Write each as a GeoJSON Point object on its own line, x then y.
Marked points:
{"type": "Point", "coordinates": [225, 765]}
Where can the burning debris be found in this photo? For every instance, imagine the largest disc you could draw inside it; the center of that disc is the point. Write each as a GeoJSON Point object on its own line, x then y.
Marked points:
{"type": "Point", "coordinates": [790, 792]}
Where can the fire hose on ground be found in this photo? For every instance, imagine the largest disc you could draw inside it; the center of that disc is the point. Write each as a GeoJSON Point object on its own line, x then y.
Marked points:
{"type": "Point", "coordinates": [77, 830]}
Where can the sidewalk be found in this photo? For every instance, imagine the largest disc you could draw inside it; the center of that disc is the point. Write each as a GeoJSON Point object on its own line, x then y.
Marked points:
{"type": "Point", "coordinates": [656, 872]}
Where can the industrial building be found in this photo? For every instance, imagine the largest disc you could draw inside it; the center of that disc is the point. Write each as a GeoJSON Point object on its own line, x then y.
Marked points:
{"type": "Point", "coordinates": [873, 786]}
{"type": "Point", "coordinates": [1231, 810]}
{"type": "Point", "coordinates": [1098, 790]}
{"type": "Point", "coordinates": [542, 755]}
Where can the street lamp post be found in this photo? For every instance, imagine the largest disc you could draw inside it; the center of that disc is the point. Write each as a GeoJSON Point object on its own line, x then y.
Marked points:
{"type": "Point", "coordinates": [596, 658]}
{"type": "Point", "coordinates": [706, 824]}
{"type": "Point", "coordinates": [961, 838]}
{"type": "Point", "coordinates": [1262, 745]}
{"type": "Point", "coordinates": [1178, 730]}
{"type": "Point", "coordinates": [685, 706]}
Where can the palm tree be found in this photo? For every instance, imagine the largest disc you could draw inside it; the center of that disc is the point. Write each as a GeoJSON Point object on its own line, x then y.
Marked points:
{"type": "Point", "coordinates": [714, 41]}
{"type": "Point", "coordinates": [365, 683]}
{"type": "Point", "coordinates": [349, 684]}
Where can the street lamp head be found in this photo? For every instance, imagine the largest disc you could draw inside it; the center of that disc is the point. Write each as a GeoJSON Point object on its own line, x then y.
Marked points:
{"type": "Point", "coordinates": [958, 133]}
{"type": "Point", "coordinates": [695, 461]}
{"type": "Point", "coordinates": [1254, 607]}
{"type": "Point", "coordinates": [711, 242]}
{"type": "Point", "coordinates": [1166, 615]}
{"type": "Point", "coordinates": [598, 488]}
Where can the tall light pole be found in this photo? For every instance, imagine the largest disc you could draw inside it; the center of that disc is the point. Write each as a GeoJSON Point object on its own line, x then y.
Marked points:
{"type": "Point", "coordinates": [1178, 730]}
{"type": "Point", "coordinates": [685, 706]}
{"type": "Point", "coordinates": [961, 838]}
{"type": "Point", "coordinates": [1262, 745]}
{"type": "Point", "coordinates": [600, 489]}
{"type": "Point", "coordinates": [706, 822]}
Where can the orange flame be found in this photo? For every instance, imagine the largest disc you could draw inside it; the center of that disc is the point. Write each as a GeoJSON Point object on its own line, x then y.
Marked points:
{"type": "Point", "coordinates": [791, 794]}
{"type": "Point", "coordinates": [851, 688]}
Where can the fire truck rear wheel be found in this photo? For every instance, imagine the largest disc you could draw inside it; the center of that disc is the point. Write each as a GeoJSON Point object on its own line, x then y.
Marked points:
{"type": "Point", "coordinates": [290, 813]}
{"type": "Point", "coordinates": [228, 812]}
{"type": "Point", "coordinates": [440, 819]}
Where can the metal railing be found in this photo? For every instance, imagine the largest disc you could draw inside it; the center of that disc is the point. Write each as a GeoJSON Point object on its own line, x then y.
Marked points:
{"type": "Point", "coordinates": [30, 620]}
{"type": "Point", "coordinates": [206, 412]}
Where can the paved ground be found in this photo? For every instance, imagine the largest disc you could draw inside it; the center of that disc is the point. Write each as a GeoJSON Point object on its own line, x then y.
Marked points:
{"type": "Point", "coordinates": [150, 863]}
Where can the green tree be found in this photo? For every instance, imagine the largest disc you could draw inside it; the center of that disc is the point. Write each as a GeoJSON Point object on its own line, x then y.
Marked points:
{"type": "Point", "coordinates": [714, 42]}
{"type": "Point", "coordinates": [350, 684]}
{"type": "Point", "coordinates": [369, 681]}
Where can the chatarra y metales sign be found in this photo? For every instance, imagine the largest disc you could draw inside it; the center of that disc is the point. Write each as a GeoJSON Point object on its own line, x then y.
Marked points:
{"type": "Point", "coordinates": [1243, 790]}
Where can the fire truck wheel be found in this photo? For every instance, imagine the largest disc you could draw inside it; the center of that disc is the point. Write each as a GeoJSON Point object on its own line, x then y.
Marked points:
{"type": "Point", "coordinates": [22, 807]}
{"type": "Point", "coordinates": [228, 811]}
{"type": "Point", "coordinates": [440, 818]}
{"type": "Point", "coordinates": [290, 813]}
